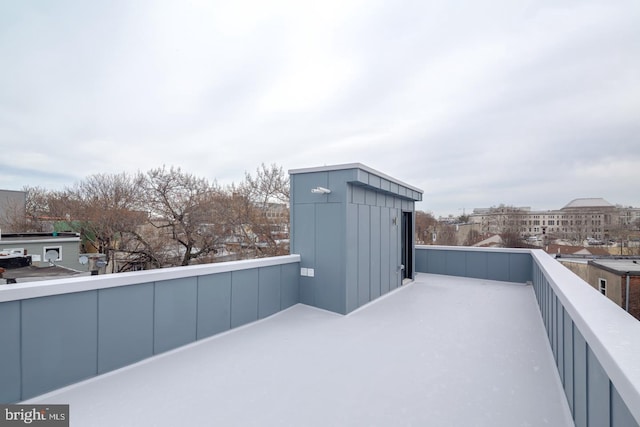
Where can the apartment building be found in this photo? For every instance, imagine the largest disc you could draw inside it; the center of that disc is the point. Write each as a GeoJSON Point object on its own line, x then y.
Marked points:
{"type": "Point", "coordinates": [616, 278]}
{"type": "Point", "coordinates": [592, 219]}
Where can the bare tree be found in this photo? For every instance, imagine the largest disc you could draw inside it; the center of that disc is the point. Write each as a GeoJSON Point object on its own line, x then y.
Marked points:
{"type": "Point", "coordinates": [269, 185]}
{"type": "Point", "coordinates": [634, 234]}
{"type": "Point", "coordinates": [104, 209]}
{"type": "Point", "coordinates": [511, 227]}
{"type": "Point", "coordinates": [147, 249]}
{"type": "Point", "coordinates": [511, 239]}
{"type": "Point", "coordinates": [257, 213]}
{"type": "Point", "coordinates": [14, 218]}
{"type": "Point", "coordinates": [463, 219]}
{"type": "Point", "coordinates": [182, 208]}
{"type": "Point", "coordinates": [473, 237]}
{"type": "Point", "coordinates": [624, 233]}
{"type": "Point", "coordinates": [41, 208]}
{"type": "Point", "coordinates": [446, 235]}
{"type": "Point", "coordinates": [426, 226]}
{"type": "Point", "coordinates": [166, 216]}
{"type": "Point", "coordinates": [581, 229]}
{"type": "Point", "coordinates": [431, 231]}
{"type": "Point", "coordinates": [507, 222]}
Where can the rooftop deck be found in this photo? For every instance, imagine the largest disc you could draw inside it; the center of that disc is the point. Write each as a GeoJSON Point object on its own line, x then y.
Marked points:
{"type": "Point", "coordinates": [485, 337]}
{"type": "Point", "coordinates": [443, 350]}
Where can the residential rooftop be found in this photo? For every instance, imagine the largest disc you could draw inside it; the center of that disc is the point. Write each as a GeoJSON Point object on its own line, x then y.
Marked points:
{"type": "Point", "coordinates": [9, 238]}
{"type": "Point", "coordinates": [441, 351]}
{"type": "Point", "coordinates": [619, 266]}
{"type": "Point", "coordinates": [486, 336]}
{"type": "Point", "coordinates": [34, 273]}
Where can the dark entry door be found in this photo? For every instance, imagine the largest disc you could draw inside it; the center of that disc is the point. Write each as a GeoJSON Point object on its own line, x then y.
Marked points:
{"type": "Point", "coordinates": [407, 244]}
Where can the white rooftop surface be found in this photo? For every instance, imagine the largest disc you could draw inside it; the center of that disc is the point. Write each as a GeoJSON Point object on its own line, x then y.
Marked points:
{"type": "Point", "coordinates": [442, 351]}
{"type": "Point", "coordinates": [621, 265]}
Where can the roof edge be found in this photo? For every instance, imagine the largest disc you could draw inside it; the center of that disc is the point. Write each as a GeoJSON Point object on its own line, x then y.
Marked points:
{"type": "Point", "coordinates": [360, 166]}
{"type": "Point", "coordinates": [598, 202]}
{"type": "Point", "coordinates": [617, 271]}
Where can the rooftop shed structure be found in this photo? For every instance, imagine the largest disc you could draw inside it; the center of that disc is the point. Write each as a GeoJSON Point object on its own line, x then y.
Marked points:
{"type": "Point", "coordinates": [354, 230]}
{"type": "Point", "coordinates": [63, 249]}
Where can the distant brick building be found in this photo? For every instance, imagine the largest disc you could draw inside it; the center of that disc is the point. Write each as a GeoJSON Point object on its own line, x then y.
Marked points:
{"type": "Point", "coordinates": [609, 276]}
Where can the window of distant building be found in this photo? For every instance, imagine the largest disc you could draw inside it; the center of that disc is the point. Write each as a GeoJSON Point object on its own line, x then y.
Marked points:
{"type": "Point", "coordinates": [602, 286]}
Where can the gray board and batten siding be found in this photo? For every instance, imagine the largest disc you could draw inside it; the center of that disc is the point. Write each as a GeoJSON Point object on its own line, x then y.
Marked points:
{"type": "Point", "coordinates": [66, 330]}
{"type": "Point", "coordinates": [350, 240]}
{"type": "Point", "coordinates": [62, 331]}
{"type": "Point", "coordinates": [507, 265]}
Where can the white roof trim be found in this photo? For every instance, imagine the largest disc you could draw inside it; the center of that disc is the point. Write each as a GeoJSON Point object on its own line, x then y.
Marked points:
{"type": "Point", "coordinates": [67, 285]}
{"type": "Point", "coordinates": [347, 166]}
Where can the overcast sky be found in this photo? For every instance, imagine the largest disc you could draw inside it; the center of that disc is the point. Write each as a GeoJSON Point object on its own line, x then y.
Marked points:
{"type": "Point", "coordinates": [527, 103]}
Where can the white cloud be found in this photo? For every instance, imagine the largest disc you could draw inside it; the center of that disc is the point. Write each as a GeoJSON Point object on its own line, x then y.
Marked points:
{"type": "Point", "coordinates": [480, 104]}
